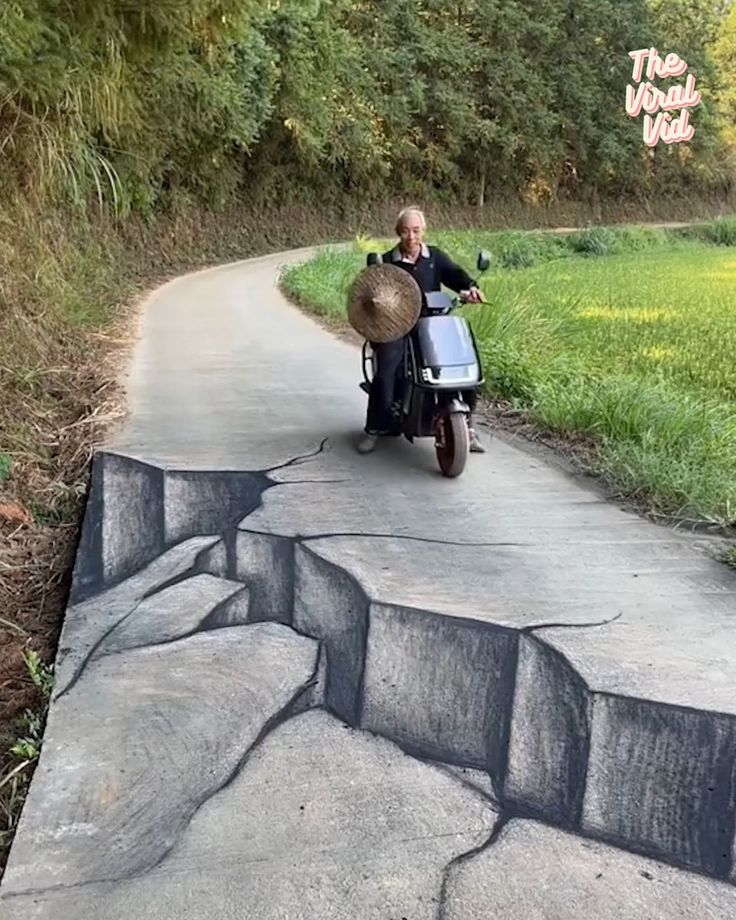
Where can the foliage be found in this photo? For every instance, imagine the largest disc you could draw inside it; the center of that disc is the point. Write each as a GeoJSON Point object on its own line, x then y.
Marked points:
{"type": "Point", "coordinates": [724, 55]}
{"type": "Point", "coordinates": [6, 466]}
{"type": "Point", "coordinates": [41, 674]}
{"type": "Point", "coordinates": [129, 99]}
{"type": "Point", "coordinates": [142, 105]}
{"type": "Point", "coordinates": [721, 231]}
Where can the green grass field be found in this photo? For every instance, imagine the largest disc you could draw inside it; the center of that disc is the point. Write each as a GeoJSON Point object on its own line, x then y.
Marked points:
{"type": "Point", "coordinates": [628, 335]}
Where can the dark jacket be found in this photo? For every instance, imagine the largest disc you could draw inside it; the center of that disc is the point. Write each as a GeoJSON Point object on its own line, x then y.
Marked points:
{"type": "Point", "coordinates": [432, 269]}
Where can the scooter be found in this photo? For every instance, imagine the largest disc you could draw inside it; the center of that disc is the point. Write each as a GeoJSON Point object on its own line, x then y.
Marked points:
{"type": "Point", "coordinates": [440, 362]}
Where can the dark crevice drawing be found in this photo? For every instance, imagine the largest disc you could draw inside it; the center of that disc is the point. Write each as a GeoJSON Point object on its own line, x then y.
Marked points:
{"type": "Point", "coordinates": [88, 580]}
{"type": "Point", "coordinates": [93, 650]}
{"type": "Point", "coordinates": [299, 460]}
{"type": "Point", "coordinates": [345, 648]}
{"type": "Point", "coordinates": [540, 626]}
{"type": "Point", "coordinates": [310, 482]}
{"type": "Point", "coordinates": [447, 872]}
{"type": "Point", "coordinates": [212, 621]}
{"type": "Point", "coordinates": [172, 582]}
{"type": "Point", "coordinates": [453, 773]}
{"type": "Point", "coordinates": [324, 601]}
{"type": "Point", "coordinates": [276, 720]}
{"type": "Point", "coordinates": [96, 508]}
{"type": "Point", "coordinates": [279, 718]}
{"type": "Point", "coordinates": [368, 535]}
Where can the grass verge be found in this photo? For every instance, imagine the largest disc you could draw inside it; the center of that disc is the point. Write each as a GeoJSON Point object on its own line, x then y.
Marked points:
{"type": "Point", "coordinates": [616, 339]}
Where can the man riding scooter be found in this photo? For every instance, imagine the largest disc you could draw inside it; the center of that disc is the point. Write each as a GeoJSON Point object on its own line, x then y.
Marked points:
{"type": "Point", "coordinates": [431, 268]}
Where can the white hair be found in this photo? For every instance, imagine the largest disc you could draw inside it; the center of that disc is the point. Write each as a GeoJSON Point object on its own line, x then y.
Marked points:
{"type": "Point", "coordinates": [406, 212]}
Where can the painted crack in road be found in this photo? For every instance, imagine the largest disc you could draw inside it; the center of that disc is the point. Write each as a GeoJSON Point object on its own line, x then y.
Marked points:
{"type": "Point", "coordinates": [368, 535]}
{"type": "Point", "coordinates": [262, 481]}
{"type": "Point", "coordinates": [271, 724]}
{"type": "Point", "coordinates": [276, 720]}
{"type": "Point", "coordinates": [345, 644]}
{"type": "Point", "coordinates": [498, 829]}
{"type": "Point", "coordinates": [525, 630]}
{"type": "Point", "coordinates": [74, 680]}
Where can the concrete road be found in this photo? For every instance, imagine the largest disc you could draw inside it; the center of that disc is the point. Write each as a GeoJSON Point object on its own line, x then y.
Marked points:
{"type": "Point", "coordinates": [298, 682]}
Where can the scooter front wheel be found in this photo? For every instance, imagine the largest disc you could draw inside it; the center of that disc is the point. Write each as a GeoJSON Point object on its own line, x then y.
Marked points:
{"type": "Point", "coordinates": [452, 443]}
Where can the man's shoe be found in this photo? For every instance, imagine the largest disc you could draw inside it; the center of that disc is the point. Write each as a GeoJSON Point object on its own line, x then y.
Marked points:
{"type": "Point", "coordinates": [367, 443]}
{"type": "Point", "coordinates": [475, 446]}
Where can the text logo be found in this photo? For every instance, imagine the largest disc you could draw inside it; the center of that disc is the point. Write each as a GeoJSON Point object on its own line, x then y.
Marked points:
{"type": "Point", "coordinates": [656, 102]}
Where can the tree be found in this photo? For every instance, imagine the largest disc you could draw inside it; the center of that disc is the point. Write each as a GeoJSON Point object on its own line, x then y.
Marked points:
{"type": "Point", "coordinates": [689, 28]}
{"type": "Point", "coordinates": [724, 55]}
{"type": "Point", "coordinates": [332, 101]}
{"type": "Point", "coordinates": [130, 99]}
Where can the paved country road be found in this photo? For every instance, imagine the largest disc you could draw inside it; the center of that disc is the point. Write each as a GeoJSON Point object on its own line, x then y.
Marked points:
{"type": "Point", "coordinates": [295, 682]}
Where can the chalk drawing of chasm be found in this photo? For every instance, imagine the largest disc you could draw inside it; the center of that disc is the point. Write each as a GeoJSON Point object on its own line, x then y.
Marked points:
{"type": "Point", "coordinates": [243, 727]}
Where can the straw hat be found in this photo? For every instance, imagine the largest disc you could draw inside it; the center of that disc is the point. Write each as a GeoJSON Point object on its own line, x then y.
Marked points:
{"type": "Point", "coordinates": [384, 303]}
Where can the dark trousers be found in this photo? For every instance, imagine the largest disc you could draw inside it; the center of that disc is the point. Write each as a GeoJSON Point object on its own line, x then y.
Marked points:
{"type": "Point", "coordinates": [389, 357]}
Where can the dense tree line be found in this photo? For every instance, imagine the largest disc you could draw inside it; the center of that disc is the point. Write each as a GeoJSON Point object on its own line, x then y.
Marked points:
{"type": "Point", "coordinates": [150, 102]}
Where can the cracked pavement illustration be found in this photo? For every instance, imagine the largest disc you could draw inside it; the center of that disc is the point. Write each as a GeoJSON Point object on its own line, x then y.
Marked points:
{"type": "Point", "coordinates": [298, 683]}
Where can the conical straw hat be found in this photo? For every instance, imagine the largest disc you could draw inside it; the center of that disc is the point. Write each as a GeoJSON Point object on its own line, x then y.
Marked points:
{"type": "Point", "coordinates": [384, 303]}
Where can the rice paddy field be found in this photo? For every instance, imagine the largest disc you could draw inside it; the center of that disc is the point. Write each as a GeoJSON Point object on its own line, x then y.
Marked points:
{"type": "Point", "coordinates": [625, 335]}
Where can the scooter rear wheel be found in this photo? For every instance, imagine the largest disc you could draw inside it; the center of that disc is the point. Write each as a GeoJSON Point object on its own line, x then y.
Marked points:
{"type": "Point", "coordinates": [452, 444]}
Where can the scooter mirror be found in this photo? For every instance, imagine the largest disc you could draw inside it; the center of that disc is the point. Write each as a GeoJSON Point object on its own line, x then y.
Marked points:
{"type": "Point", "coordinates": [484, 261]}
{"type": "Point", "coordinates": [374, 258]}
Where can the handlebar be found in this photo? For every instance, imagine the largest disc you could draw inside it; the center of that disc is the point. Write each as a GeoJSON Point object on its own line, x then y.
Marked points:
{"type": "Point", "coordinates": [461, 302]}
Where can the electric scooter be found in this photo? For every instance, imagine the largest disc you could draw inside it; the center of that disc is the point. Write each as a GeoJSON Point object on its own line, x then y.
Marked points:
{"type": "Point", "coordinates": [440, 363]}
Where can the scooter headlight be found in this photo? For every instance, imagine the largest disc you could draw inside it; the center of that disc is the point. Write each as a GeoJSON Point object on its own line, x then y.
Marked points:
{"type": "Point", "coordinates": [460, 375]}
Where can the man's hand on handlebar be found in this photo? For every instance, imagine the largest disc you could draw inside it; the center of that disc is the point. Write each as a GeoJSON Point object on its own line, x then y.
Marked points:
{"type": "Point", "coordinates": [474, 295]}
